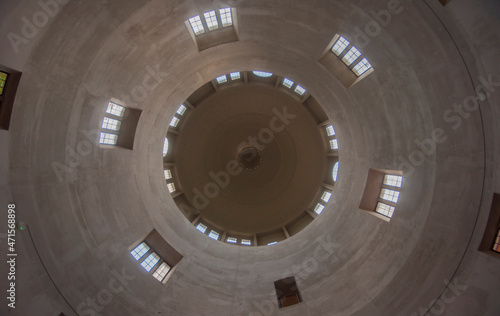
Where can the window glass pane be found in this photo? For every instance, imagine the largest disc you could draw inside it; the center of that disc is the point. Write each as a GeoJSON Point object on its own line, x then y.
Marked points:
{"type": "Point", "coordinates": [389, 195]}
{"type": "Point", "coordinates": [111, 124]}
{"type": "Point", "coordinates": [392, 180]}
{"type": "Point", "coordinates": [165, 147]}
{"type": "Point", "coordinates": [3, 79]}
{"type": "Point", "coordinates": [319, 208]}
{"type": "Point", "coordinates": [115, 109]}
{"type": "Point", "coordinates": [272, 243]}
{"type": "Point", "coordinates": [339, 46]}
{"type": "Point", "coordinates": [361, 67]}
{"type": "Point", "coordinates": [232, 240]}
{"type": "Point", "coordinates": [214, 235]}
{"type": "Point", "coordinates": [168, 174]}
{"type": "Point", "coordinates": [385, 209]}
{"type": "Point", "coordinates": [326, 196]}
{"type": "Point", "coordinates": [330, 131]}
{"type": "Point", "coordinates": [181, 110]}
{"type": "Point", "coordinates": [351, 56]}
{"type": "Point", "coordinates": [140, 251]}
{"type": "Point", "coordinates": [211, 20]}
{"type": "Point", "coordinates": [221, 79]}
{"type": "Point", "coordinates": [235, 75]}
{"type": "Point", "coordinates": [287, 83]}
{"type": "Point", "coordinates": [108, 139]}
{"type": "Point", "coordinates": [197, 25]}
{"type": "Point", "coordinates": [299, 90]}
{"type": "Point", "coordinates": [226, 17]}
{"type": "Point", "coordinates": [335, 171]}
{"type": "Point", "coordinates": [161, 272]}
{"type": "Point", "coordinates": [174, 121]}
{"type": "Point", "coordinates": [202, 228]}
{"type": "Point", "coordinates": [150, 261]}
{"type": "Point", "coordinates": [262, 74]}
{"type": "Point", "coordinates": [171, 187]}
{"type": "Point", "coordinates": [334, 144]}
{"type": "Point", "coordinates": [246, 242]}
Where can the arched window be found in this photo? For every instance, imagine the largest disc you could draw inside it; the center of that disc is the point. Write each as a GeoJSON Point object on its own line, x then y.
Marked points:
{"type": "Point", "coordinates": [262, 74]}
{"type": "Point", "coordinates": [335, 171]}
{"type": "Point", "coordinates": [165, 147]}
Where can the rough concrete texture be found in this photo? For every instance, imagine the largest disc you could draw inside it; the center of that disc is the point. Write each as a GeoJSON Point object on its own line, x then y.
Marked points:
{"type": "Point", "coordinates": [426, 59]}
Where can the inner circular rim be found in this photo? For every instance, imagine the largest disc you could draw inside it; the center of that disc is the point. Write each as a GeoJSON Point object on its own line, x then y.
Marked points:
{"type": "Point", "coordinates": [250, 158]}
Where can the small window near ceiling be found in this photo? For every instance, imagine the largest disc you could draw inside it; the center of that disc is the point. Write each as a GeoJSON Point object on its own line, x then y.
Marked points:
{"type": "Point", "coordinates": [214, 235]}
{"type": "Point", "coordinates": [287, 83]}
{"type": "Point", "coordinates": [326, 196]}
{"type": "Point", "coordinates": [181, 110]}
{"type": "Point", "coordinates": [235, 75]}
{"type": "Point", "coordinates": [111, 124]}
{"type": "Point", "coordinates": [140, 251]}
{"type": "Point", "coordinates": [334, 144]}
{"type": "Point", "coordinates": [211, 20]}
{"type": "Point", "coordinates": [351, 56]}
{"type": "Point", "coordinates": [115, 109]}
{"type": "Point", "coordinates": [168, 174]}
{"type": "Point", "coordinates": [174, 122]}
{"type": "Point", "coordinates": [330, 131]}
{"type": "Point", "coordinates": [171, 187]}
{"type": "Point", "coordinates": [246, 242]}
{"type": "Point", "coordinates": [108, 139]}
{"type": "Point", "coordinates": [3, 79]}
{"type": "Point", "coordinates": [221, 79]}
{"type": "Point", "coordinates": [150, 261]}
{"type": "Point", "coordinates": [300, 90]}
{"type": "Point", "coordinates": [389, 195]}
{"type": "Point", "coordinates": [262, 74]}
{"type": "Point", "coordinates": [232, 240]}
{"type": "Point", "coordinates": [161, 272]}
{"type": "Point", "coordinates": [226, 17]}
{"type": "Point", "coordinates": [165, 147]}
{"type": "Point", "coordinates": [202, 228]}
{"type": "Point", "coordinates": [319, 208]}
{"type": "Point", "coordinates": [340, 45]}
{"type": "Point", "coordinates": [335, 171]}
{"type": "Point", "coordinates": [197, 25]}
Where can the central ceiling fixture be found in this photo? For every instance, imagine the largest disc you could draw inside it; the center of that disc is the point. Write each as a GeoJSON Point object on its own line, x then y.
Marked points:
{"type": "Point", "coordinates": [250, 158]}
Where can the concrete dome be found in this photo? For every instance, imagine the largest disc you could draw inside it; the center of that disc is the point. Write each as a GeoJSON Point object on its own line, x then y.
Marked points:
{"type": "Point", "coordinates": [86, 205]}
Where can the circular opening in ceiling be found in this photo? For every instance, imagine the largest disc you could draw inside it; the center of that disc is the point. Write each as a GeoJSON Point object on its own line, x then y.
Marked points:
{"type": "Point", "coordinates": [250, 158]}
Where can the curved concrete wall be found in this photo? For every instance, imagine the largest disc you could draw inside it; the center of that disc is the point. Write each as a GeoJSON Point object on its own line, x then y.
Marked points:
{"type": "Point", "coordinates": [347, 262]}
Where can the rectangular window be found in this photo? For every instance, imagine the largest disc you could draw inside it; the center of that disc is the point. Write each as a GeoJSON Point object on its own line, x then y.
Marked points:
{"type": "Point", "coordinates": [287, 83]}
{"type": "Point", "coordinates": [174, 121]}
{"type": "Point", "coordinates": [351, 56]}
{"type": "Point", "coordinates": [326, 196]}
{"type": "Point", "coordinates": [171, 187]}
{"type": "Point", "coordinates": [197, 25]}
{"type": "Point", "coordinates": [385, 209]}
{"type": "Point", "coordinates": [334, 144]}
{"type": "Point", "coordinates": [3, 79]}
{"type": "Point", "coordinates": [211, 20]}
{"type": "Point", "coordinates": [108, 139]}
{"type": "Point", "coordinates": [221, 79]}
{"type": "Point", "coordinates": [299, 90]}
{"type": "Point", "coordinates": [150, 261]}
{"type": "Point", "coordinates": [389, 195]}
{"type": "Point", "coordinates": [226, 17]}
{"type": "Point", "coordinates": [214, 235]}
{"type": "Point", "coordinates": [392, 180]}
{"type": "Point", "coordinates": [319, 208]}
{"type": "Point", "coordinates": [361, 67]}
{"type": "Point", "coordinates": [246, 242]}
{"type": "Point", "coordinates": [181, 110]}
{"type": "Point", "coordinates": [161, 272]}
{"type": "Point", "coordinates": [340, 45]}
{"type": "Point", "coordinates": [272, 243]}
{"type": "Point", "coordinates": [140, 251]}
{"type": "Point", "coordinates": [330, 131]}
{"type": "Point", "coordinates": [232, 240]}
{"type": "Point", "coordinates": [496, 245]}
{"type": "Point", "coordinates": [115, 109]}
{"type": "Point", "coordinates": [168, 174]}
{"type": "Point", "coordinates": [202, 228]}
{"type": "Point", "coordinates": [235, 75]}
{"type": "Point", "coordinates": [111, 124]}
